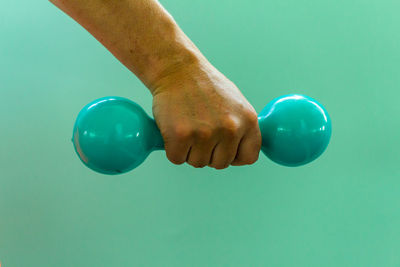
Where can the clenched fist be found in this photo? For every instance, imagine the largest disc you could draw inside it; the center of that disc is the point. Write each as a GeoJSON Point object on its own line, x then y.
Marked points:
{"type": "Point", "coordinates": [204, 119]}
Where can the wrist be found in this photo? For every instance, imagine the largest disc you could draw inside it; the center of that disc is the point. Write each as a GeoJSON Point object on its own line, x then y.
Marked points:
{"type": "Point", "coordinates": [175, 54]}
{"type": "Point", "coordinates": [177, 69]}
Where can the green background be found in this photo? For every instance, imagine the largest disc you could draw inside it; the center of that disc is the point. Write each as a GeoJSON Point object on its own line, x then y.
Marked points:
{"type": "Point", "coordinates": [341, 210]}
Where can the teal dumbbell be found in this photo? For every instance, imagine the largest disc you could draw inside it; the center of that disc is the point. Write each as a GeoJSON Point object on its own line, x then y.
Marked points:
{"type": "Point", "coordinates": [114, 135]}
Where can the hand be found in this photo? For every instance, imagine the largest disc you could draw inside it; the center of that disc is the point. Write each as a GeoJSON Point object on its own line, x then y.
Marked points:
{"type": "Point", "coordinates": [204, 119]}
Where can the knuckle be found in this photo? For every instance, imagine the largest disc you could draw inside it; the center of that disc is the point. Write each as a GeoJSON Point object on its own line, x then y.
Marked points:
{"type": "Point", "coordinates": [204, 133]}
{"type": "Point", "coordinates": [252, 118]}
{"type": "Point", "coordinates": [182, 132]}
{"type": "Point", "coordinates": [230, 126]}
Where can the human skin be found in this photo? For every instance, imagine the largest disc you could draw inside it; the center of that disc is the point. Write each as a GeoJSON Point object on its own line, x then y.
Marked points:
{"type": "Point", "coordinates": [203, 117]}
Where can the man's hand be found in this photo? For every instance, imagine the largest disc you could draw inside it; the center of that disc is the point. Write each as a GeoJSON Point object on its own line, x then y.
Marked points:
{"type": "Point", "coordinates": [204, 119]}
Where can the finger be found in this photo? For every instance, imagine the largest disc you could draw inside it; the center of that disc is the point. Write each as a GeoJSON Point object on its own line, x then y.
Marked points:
{"type": "Point", "coordinates": [177, 143]}
{"type": "Point", "coordinates": [248, 151]}
{"type": "Point", "coordinates": [224, 153]}
{"type": "Point", "coordinates": [177, 152]}
{"type": "Point", "coordinates": [201, 148]}
{"type": "Point", "coordinates": [200, 154]}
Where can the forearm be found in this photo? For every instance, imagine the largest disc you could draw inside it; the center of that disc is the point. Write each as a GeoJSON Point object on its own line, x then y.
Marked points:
{"type": "Point", "coordinates": [140, 33]}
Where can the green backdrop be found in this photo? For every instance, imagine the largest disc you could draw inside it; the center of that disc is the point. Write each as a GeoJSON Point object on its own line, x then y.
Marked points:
{"type": "Point", "coordinates": [341, 210]}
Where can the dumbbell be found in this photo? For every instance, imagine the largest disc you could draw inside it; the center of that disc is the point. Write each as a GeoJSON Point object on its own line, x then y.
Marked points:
{"type": "Point", "coordinates": [113, 135]}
